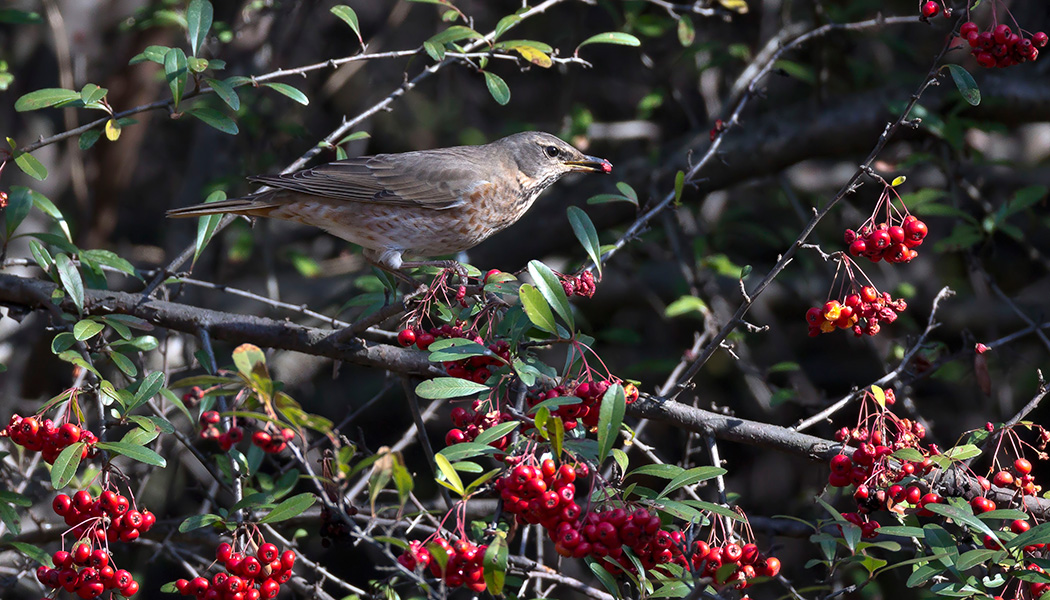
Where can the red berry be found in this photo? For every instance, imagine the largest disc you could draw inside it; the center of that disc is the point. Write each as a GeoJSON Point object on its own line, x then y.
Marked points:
{"type": "Point", "coordinates": [61, 504]}
{"type": "Point", "coordinates": [771, 567]}
{"type": "Point", "coordinates": [1022, 466]}
{"type": "Point", "coordinates": [1040, 39]}
{"type": "Point", "coordinates": [267, 553]}
{"type": "Point", "coordinates": [930, 9]}
{"type": "Point", "coordinates": [858, 247]}
{"type": "Point", "coordinates": [223, 552]}
{"type": "Point", "coordinates": [288, 559]}
{"type": "Point", "coordinates": [1020, 526]}
{"type": "Point", "coordinates": [968, 28]}
{"type": "Point", "coordinates": [406, 337]}
{"type": "Point", "coordinates": [1003, 479]}
{"type": "Point", "coordinates": [1001, 33]}
{"type": "Point", "coordinates": [262, 439]}
{"type": "Point", "coordinates": [68, 434]}
{"type": "Point", "coordinates": [424, 340]}
{"type": "Point", "coordinates": [83, 501]}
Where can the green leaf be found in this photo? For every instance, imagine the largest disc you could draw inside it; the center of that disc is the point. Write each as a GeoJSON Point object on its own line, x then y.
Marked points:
{"type": "Point", "coordinates": [214, 118]}
{"type": "Point", "coordinates": [289, 91]}
{"type": "Point", "coordinates": [206, 225]}
{"type": "Point", "coordinates": [357, 135]}
{"type": "Point", "coordinates": [587, 234]}
{"type": "Point", "coordinates": [498, 88]}
{"type": "Point", "coordinates": [495, 565]}
{"type": "Point", "coordinates": [198, 521]}
{"type": "Point", "coordinates": [65, 466]}
{"type": "Point", "coordinates": [198, 21]}
{"type": "Point", "coordinates": [152, 54]}
{"type": "Point", "coordinates": [1040, 534]}
{"type": "Point", "coordinates": [108, 258]}
{"type": "Point", "coordinates": [466, 450]}
{"type": "Point", "coordinates": [292, 507]}
{"type": "Point", "coordinates": [550, 287]}
{"type": "Point", "coordinates": [45, 98]}
{"type": "Point", "coordinates": [445, 468]}
{"type": "Point", "coordinates": [536, 308]}
{"type": "Point", "coordinates": [137, 453]}
{"type": "Point", "coordinates": [19, 203]}
{"type": "Point", "coordinates": [605, 577]}
{"type": "Point", "coordinates": [71, 281]}
{"type": "Point", "coordinates": [504, 24]}
{"type": "Point", "coordinates": [149, 388]}
{"type": "Point", "coordinates": [176, 73]}
{"type": "Point", "coordinates": [692, 477]}
{"type": "Point", "coordinates": [91, 94]}
{"type": "Point", "coordinates": [87, 329]}
{"type": "Point", "coordinates": [30, 550]}
{"type": "Point", "coordinates": [679, 186]}
{"type": "Point", "coordinates": [496, 432]}
{"type": "Point", "coordinates": [661, 471]}
{"type": "Point", "coordinates": [19, 17]}
{"type": "Point", "coordinates": [448, 387]}
{"type": "Point", "coordinates": [612, 37]}
{"type": "Point", "coordinates": [454, 34]}
{"type": "Point", "coordinates": [685, 305]}
{"type": "Point", "coordinates": [30, 165]}
{"type": "Point", "coordinates": [610, 418]}
{"type": "Point", "coordinates": [966, 84]}
{"type": "Point", "coordinates": [226, 92]}
{"type": "Point", "coordinates": [349, 17]}
{"type": "Point", "coordinates": [88, 138]}
{"type": "Point", "coordinates": [125, 364]}
{"type": "Point", "coordinates": [452, 349]}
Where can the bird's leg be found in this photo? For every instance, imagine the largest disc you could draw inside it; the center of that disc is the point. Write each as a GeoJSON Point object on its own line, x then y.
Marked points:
{"type": "Point", "coordinates": [452, 265]}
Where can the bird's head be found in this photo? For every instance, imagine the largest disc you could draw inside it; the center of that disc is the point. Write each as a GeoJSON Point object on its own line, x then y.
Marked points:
{"type": "Point", "coordinates": [544, 158]}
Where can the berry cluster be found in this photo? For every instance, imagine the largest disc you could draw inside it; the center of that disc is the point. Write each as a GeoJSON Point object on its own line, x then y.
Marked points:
{"type": "Point", "coordinates": [1000, 47]}
{"type": "Point", "coordinates": [469, 424]}
{"type": "Point", "coordinates": [1020, 478]}
{"type": "Point", "coordinates": [580, 285]}
{"type": "Point", "coordinates": [271, 443]}
{"type": "Point", "coordinates": [862, 312]}
{"type": "Point", "coordinates": [48, 438]}
{"type": "Point", "coordinates": [475, 368]}
{"type": "Point", "coordinates": [86, 572]}
{"type": "Point", "coordinates": [463, 568]}
{"type": "Point", "coordinates": [108, 518]}
{"type": "Point", "coordinates": [585, 411]}
{"type": "Point", "coordinates": [245, 577]}
{"type": "Point", "coordinates": [545, 494]}
{"type": "Point", "coordinates": [894, 243]}
{"type": "Point", "coordinates": [209, 420]}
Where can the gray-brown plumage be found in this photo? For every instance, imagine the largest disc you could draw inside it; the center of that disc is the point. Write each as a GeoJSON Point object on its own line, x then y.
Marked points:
{"type": "Point", "coordinates": [421, 204]}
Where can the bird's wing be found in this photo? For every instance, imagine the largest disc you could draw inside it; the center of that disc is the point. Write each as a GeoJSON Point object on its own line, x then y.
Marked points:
{"type": "Point", "coordinates": [410, 179]}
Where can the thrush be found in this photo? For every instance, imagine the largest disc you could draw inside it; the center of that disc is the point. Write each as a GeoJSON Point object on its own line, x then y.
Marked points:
{"type": "Point", "coordinates": [418, 204]}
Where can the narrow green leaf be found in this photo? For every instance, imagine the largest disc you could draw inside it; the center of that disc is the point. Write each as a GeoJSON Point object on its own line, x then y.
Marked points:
{"type": "Point", "coordinates": [497, 87]}
{"type": "Point", "coordinates": [32, 552]}
{"type": "Point", "coordinates": [610, 418]}
{"type": "Point", "coordinates": [691, 477]}
{"type": "Point", "coordinates": [451, 476]}
{"type": "Point", "coordinates": [226, 92]}
{"type": "Point", "coordinates": [71, 281]}
{"type": "Point", "coordinates": [214, 118]}
{"type": "Point", "coordinates": [961, 516]}
{"type": "Point", "coordinates": [289, 91]}
{"type": "Point", "coordinates": [198, 521]}
{"type": "Point", "coordinates": [176, 73]}
{"type": "Point", "coordinates": [586, 234]}
{"type": "Point", "coordinates": [149, 388]}
{"type": "Point", "coordinates": [124, 363]}
{"type": "Point", "coordinates": [549, 285]}
{"type": "Point", "coordinates": [152, 54]}
{"type": "Point", "coordinates": [679, 185]}
{"type": "Point", "coordinates": [536, 308]}
{"type": "Point", "coordinates": [198, 21]}
{"type": "Point", "coordinates": [1040, 534]}
{"type": "Point", "coordinates": [966, 84]}
{"type": "Point", "coordinates": [292, 507]}
{"type": "Point", "coordinates": [65, 466]}
{"type": "Point", "coordinates": [612, 37]}
{"type": "Point", "coordinates": [605, 577]}
{"type": "Point", "coordinates": [661, 471]}
{"type": "Point", "coordinates": [504, 24]}
{"type": "Point", "coordinates": [349, 17]}
{"type": "Point", "coordinates": [448, 387]}
{"type": "Point", "coordinates": [206, 225]}
{"type": "Point", "coordinates": [45, 205]}
{"type": "Point", "coordinates": [30, 165]}
{"type": "Point", "coordinates": [496, 432]}
{"type": "Point", "coordinates": [686, 31]}
{"type": "Point", "coordinates": [45, 98]}
{"type": "Point", "coordinates": [466, 450]}
{"type": "Point", "coordinates": [138, 453]}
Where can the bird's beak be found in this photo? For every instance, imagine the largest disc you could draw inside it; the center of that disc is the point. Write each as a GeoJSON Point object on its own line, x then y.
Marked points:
{"type": "Point", "coordinates": [590, 164]}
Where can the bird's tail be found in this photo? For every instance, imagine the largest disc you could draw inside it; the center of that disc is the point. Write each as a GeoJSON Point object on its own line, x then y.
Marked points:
{"type": "Point", "coordinates": [254, 207]}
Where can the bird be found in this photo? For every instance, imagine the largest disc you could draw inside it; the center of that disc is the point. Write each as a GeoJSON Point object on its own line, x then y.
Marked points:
{"type": "Point", "coordinates": [406, 209]}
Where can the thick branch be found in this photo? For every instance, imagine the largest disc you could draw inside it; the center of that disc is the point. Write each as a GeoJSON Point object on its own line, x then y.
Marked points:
{"type": "Point", "coordinates": [22, 291]}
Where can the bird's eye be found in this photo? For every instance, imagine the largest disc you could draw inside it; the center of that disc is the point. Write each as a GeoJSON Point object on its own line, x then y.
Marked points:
{"type": "Point", "coordinates": [551, 151]}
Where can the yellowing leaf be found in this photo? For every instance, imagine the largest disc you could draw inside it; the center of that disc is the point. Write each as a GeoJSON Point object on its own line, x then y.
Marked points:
{"type": "Point", "coordinates": [739, 6]}
{"type": "Point", "coordinates": [899, 180]}
{"type": "Point", "coordinates": [534, 56]}
{"type": "Point", "coordinates": [112, 130]}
